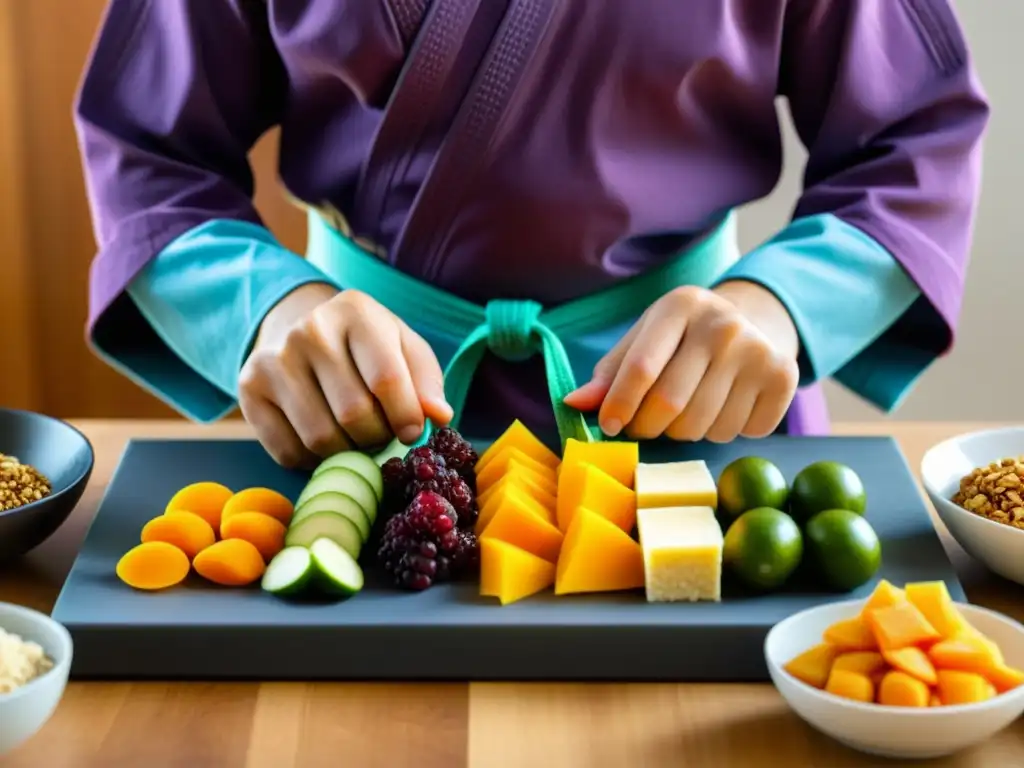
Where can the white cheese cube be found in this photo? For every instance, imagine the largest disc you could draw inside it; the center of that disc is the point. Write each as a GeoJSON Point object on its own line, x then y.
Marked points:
{"type": "Point", "coordinates": [677, 484]}
{"type": "Point", "coordinates": [682, 549]}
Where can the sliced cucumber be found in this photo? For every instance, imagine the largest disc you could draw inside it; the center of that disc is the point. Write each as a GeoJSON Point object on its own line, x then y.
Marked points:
{"type": "Point", "coordinates": [359, 463]}
{"type": "Point", "coordinates": [396, 449]}
{"type": "Point", "coordinates": [342, 480]}
{"type": "Point", "coordinates": [339, 503]}
{"type": "Point", "coordinates": [289, 571]}
{"type": "Point", "coordinates": [337, 572]}
{"type": "Point", "coordinates": [330, 525]}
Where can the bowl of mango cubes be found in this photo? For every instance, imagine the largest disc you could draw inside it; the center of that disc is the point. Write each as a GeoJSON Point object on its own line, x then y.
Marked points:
{"type": "Point", "coordinates": [906, 673]}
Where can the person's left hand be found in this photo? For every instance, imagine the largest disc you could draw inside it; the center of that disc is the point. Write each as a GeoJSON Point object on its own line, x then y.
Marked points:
{"type": "Point", "coordinates": [699, 364]}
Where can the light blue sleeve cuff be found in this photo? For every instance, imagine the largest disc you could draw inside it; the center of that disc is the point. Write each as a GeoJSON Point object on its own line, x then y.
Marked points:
{"type": "Point", "coordinates": [843, 291]}
{"type": "Point", "coordinates": [205, 296]}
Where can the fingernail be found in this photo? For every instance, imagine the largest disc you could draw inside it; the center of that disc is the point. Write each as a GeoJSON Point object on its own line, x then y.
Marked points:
{"type": "Point", "coordinates": [410, 434]}
{"type": "Point", "coordinates": [611, 427]}
{"type": "Point", "coordinates": [442, 406]}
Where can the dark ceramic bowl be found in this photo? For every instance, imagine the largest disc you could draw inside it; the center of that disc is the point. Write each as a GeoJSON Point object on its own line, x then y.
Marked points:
{"type": "Point", "coordinates": [60, 452]}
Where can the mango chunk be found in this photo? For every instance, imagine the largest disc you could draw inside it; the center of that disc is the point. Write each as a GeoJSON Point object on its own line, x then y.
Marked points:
{"type": "Point", "coordinates": [618, 459]}
{"type": "Point", "coordinates": [900, 626]}
{"type": "Point", "coordinates": [964, 653]}
{"type": "Point", "coordinates": [853, 634]}
{"type": "Point", "coordinates": [973, 634]}
{"type": "Point", "coordinates": [516, 524]}
{"type": "Point", "coordinates": [813, 665]}
{"type": "Point", "coordinates": [934, 700]}
{"type": "Point", "coordinates": [587, 486]}
{"type": "Point", "coordinates": [898, 689]}
{"type": "Point", "coordinates": [913, 661]}
{"type": "Point", "coordinates": [884, 595]}
{"type": "Point", "coordinates": [501, 464]}
{"type": "Point", "coordinates": [510, 574]}
{"type": "Point", "coordinates": [932, 599]}
{"type": "Point", "coordinates": [598, 556]}
{"type": "Point", "coordinates": [868, 663]}
{"type": "Point", "coordinates": [957, 687]}
{"type": "Point", "coordinates": [519, 436]}
{"type": "Point", "coordinates": [527, 480]}
{"type": "Point", "coordinates": [1005, 678]}
{"type": "Point", "coordinates": [500, 498]}
{"type": "Point", "coordinates": [850, 685]}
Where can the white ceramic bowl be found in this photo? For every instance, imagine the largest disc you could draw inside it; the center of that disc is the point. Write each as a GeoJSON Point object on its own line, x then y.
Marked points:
{"type": "Point", "coordinates": [895, 732]}
{"type": "Point", "coordinates": [25, 710]}
{"type": "Point", "coordinates": [999, 547]}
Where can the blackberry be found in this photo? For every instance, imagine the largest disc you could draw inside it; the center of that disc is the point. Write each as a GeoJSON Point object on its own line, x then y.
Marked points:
{"type": "Point", "coordinates": [463, 500]}
{"type": "Point", "coordinates": [394, 472]}
{"type": "Point", "coordinates": [456, 450]}
{"type": "Point", "coordinates": [465, 559]}
{"type": "Point", "coordinates": [422, 545]}
{"type": "Point", "coordinates": [395, 479]}
{"type": "Point", "coordinates": [429, 474]}
{"type": "Point", "coordinates": [430, 514]}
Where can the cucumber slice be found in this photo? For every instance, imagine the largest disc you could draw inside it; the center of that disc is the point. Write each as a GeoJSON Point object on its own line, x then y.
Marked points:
{"type": "Point", "coordinates": [359, 463]}
{"type": "Point", "coordinates": [330, 525]}
{"type": "Point", "coordinates": [396, 449]}
{"type": "Point", "coordinates": [289, 571]}
{"type": "Point", "coordinates": [337, 572]}
{"type": "Point", "coordinates": [339, 503]}
{"type": "Point", "coordinates": [341, 480]}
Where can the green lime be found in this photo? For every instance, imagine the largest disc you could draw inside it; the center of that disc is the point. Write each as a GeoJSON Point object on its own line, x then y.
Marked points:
{"type": "Point", "coordinates": [763, 547]}
{"type": "Point", "coordinates": [843, 548]}
{"type": "Point", "coordinates": [749, 483]}
{"type": "Point", "coordinates": [826, 485]}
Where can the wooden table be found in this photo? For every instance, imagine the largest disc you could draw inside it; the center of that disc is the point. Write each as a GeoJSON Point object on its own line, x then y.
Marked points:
{"type": "Point", "coordinates": [279, 725]}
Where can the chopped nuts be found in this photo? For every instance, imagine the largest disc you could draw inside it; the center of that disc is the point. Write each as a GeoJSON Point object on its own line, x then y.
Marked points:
{"type": "Point", "coordinates": [20, 484]}
{"type": "Point", "coordinates": [995, 492]}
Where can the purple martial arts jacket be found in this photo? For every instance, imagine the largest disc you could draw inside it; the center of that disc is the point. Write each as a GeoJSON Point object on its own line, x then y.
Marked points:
{"type": "Point", "coordinates": [534, 148]}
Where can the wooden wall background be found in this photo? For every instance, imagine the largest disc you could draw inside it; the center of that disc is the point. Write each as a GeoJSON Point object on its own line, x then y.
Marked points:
{"type": "Point", "coordinates": [46, 239]}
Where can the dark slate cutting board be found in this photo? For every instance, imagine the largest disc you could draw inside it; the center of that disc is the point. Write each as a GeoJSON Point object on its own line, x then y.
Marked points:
{"type": "Point", "coordinates": [201, 631]}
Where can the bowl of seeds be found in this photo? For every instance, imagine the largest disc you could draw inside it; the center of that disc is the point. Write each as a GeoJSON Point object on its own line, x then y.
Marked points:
{"type": "Point", "coordinates": [45, 464]}
{"type": "Point", "coordinates": [976, 484]}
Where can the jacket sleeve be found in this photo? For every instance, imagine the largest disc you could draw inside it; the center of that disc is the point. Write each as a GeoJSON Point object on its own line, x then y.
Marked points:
{"type": "Point", "coordinates": [175, 94]}
{"type": "Point", "coordinates": [884, 97]}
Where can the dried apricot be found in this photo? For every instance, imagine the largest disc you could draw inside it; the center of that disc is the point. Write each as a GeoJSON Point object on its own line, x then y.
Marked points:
{"type": "Point", "coordinates": [153, 565]}
{"type": "Point", "coordinates": [186, 530]}
{"type": "Point", "coordinates": [264, 500]}
{"type": "Point", "coordinates": [205, 499]}
{"type": "Point", "coordinates": [262, 531]}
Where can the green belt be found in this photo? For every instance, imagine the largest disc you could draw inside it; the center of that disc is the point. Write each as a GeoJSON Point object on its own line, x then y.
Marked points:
{"type": "Point", "coordinates": [515, 329]}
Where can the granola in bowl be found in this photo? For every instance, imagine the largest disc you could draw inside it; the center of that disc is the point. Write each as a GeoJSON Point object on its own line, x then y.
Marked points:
{"type": "Point", "coordinates": [995, 492]}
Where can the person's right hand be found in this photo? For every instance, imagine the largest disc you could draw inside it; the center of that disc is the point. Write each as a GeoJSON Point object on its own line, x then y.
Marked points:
{"type": "Point", "coordinates": [331, 371]}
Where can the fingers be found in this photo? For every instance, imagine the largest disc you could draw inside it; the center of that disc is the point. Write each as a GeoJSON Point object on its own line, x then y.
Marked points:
{"type": "Point", "coordinates": [274, 431]}
{"type": "Point", "coordinates": [427, 376]}
{"type": "Point", "coordinates": [350, 403]}
{"type": "Point", "coordinates": [376, 350]}
{"type": "Point", "coordinates": [590, 396]}
{"type": "Point", "coordinates": [707, 401]}
{"type": "Point", "coordinates": [672, 392]}
{"type": "Point", "coordinates": [641, 366]}
{"type": "Point", "coordinates": [735, 414]}
{"type": "Point", "coordinates": [346, 373]}
{"type": "Point", "coordinates": [773, 401]}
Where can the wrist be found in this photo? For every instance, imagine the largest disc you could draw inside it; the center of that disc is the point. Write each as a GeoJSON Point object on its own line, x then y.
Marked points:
{"type": "Point", "coordinates": [764, 309]}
